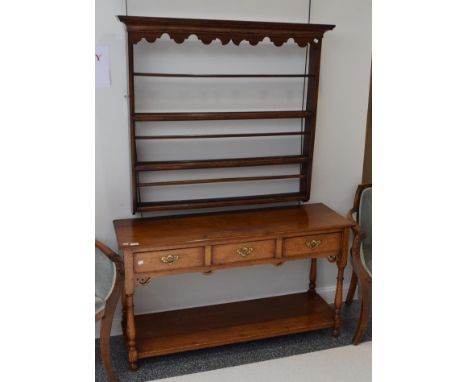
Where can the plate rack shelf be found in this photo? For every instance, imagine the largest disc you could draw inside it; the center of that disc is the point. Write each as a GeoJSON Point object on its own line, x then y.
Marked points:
{"type": "Point", "coordinates": [151, 29]}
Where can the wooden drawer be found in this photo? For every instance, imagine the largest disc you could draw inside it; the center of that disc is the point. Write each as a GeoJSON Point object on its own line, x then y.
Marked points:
{"type": "Point", "coordinates": [313, 244]}
{"type": "Point", "coordinates": [169, 259]}
{"type": "Point", "coordinates": [246, 251]}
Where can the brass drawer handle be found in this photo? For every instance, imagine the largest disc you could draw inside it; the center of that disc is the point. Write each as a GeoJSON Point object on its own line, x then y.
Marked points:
{"type": "Point", "coordinates": [244, 251]}
{"type": "Point", "coordinates": [170, 259]}
{"type": "Point", "coordinates": [312, 244]}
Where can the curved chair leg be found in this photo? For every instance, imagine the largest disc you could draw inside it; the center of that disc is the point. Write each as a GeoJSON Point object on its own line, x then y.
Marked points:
{"type": "Point", "coordinates": [366, 305]}
{"type": "Point", "coordinates": [352, 288]}
{"type": "Point", "coordinates": [106, 325]}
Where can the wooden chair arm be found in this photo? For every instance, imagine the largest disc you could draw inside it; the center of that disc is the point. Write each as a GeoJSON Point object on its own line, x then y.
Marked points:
{"type": "Point", "coordinates": [356, 228]}
{"type": "Point", "coordinates": [110, 254]}
{"type": "Point", "coordinates": [358, 267]}
{"type": "Point", "coordinates": [359, 235]}
{"type": "Point", "coordinates": [350, 215]}
{"type": "Point", "coordinates": [357, 198]}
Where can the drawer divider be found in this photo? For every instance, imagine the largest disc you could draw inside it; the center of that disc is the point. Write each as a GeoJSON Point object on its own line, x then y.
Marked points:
{"type": "Point", "coordinates": [279, 248]}
{"type": "Point", "coordinates": [208, 255]}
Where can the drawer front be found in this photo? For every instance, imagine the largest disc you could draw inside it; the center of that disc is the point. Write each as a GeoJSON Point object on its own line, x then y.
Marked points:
{"type": "Point", "coordinates": [246, 251]}
{"type": "Point", "coordinates": [314, 244]}
{"type": "Point", "coordinates": [168, 260]}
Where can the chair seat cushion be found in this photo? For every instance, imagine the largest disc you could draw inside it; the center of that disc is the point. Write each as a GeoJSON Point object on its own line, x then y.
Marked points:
{"type": "Point", "coordinates": [99, 304]}
{"type": "Point", "coordinates": [105, 276]}
{"type": "Point", "coordinates": [366, 257]}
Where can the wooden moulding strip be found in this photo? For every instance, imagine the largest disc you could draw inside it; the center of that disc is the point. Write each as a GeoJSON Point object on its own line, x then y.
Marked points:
{"type": "Point", "coordinates": [208, 30]}
{"type": "Point", "coordinates": [220, 202]}
{"type": "Point", "coordinates": [187, 75]}
{"type": "Point", "coordinates": [219, 180]}
{"type": "Point", "coordinates": [209, 136]}
{"type": "Point", "coordinates": [224, 115]}
{"type": "Point", "coordinates": [219, 163]}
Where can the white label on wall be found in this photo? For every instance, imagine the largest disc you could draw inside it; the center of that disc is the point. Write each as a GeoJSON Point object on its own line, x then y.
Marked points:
{"type": "Point", "coordinates": [102, 75]}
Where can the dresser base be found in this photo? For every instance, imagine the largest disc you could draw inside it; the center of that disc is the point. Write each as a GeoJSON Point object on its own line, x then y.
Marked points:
{"type": "Point", "coordinates": [208, 326]}
{"type": "Point", "coordinates": [155, 247]}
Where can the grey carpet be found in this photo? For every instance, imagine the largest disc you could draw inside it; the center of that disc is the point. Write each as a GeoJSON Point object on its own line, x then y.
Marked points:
{"type": "Point", "coordinates": [230, 355]}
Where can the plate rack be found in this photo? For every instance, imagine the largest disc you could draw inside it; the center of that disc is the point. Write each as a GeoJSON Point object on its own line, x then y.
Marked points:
{"type": "Point", "coordinates": [151, 29]}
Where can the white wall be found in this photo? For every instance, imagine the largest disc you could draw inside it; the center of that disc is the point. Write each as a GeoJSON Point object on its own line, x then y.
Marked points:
{"type": "Point", "coordinates": [341, 121]}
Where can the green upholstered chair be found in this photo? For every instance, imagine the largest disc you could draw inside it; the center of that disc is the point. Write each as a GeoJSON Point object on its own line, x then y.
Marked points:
{"type": "Point", "coordinates": [109, 285]}
{"type": "Point", "coordinates": [361, 256]}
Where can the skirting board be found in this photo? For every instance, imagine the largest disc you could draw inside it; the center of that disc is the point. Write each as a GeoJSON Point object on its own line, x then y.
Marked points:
{"type": "Point", "coordinates": [327, 293]}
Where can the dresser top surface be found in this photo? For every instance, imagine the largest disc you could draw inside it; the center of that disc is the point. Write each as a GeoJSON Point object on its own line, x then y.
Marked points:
{"type": "Point", "coordinates": [147, 232]}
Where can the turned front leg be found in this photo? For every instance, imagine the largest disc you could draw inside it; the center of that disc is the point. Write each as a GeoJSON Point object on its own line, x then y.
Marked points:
{"type": "Point", "coordinates": [128, 316]}
{"type": "Point", "coordinates": [341, 264]}
{"type": "Point", "coordinates": [338, 302]}
{"type": "Point", "coordinates": [131, 334]}
{"type": "Point", "coordinates": [313, 276]}
{"type": "Point", "coordinates": [124, 312]}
